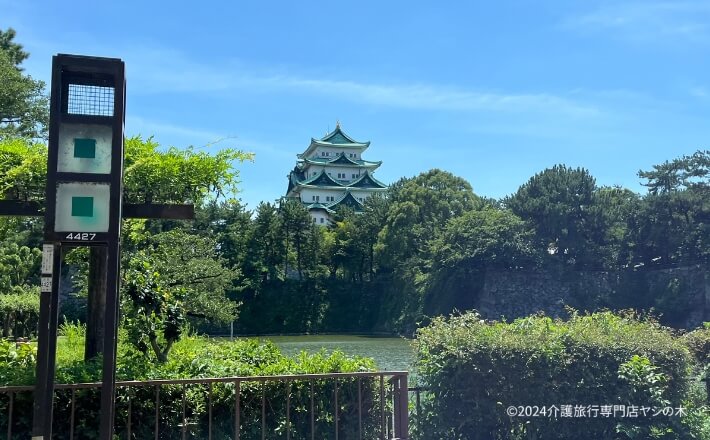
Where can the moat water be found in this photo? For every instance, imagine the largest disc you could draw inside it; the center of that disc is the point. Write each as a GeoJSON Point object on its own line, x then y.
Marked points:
{"type": "Point", "coordinates": [390, 354]}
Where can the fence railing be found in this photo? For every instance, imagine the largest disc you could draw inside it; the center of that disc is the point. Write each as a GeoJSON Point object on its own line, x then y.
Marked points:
{"type": "Point", "coordinates": [363, 405]}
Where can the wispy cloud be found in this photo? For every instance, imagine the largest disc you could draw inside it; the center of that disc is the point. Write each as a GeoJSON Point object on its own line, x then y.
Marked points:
{"type": "Point", "coordinates": [161, 71]}
{"type": "Point", "coordinates": [180, 136]}
{"type": "Point", "coordinates": [140, 126]}
{"type": "Point", "coordinates": [700, 92]}
{"type": "Point", "coordinates": [648, 21]}
{"type": "Point", "coordinates": [154, 69]}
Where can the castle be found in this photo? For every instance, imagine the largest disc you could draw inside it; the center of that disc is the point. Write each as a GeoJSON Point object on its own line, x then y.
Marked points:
{"type": "Point", "coordinates": [331, 173]}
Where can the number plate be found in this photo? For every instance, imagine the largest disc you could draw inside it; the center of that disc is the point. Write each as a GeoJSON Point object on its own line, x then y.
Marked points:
{"type": "Point", "coordinates": [80, 236]}
{"type": "Point", "coordinates": [46, 284]}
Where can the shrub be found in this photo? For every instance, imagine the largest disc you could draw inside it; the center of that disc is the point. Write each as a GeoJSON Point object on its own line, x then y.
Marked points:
{"type": "Point", "coordinates": [19, 311]}
{"type": "Point", "coordinates": [195, 357]}
{"type": "Point", "coordinates": [698, 342]}
{"type": "Point", "coordinates": [475, 370]}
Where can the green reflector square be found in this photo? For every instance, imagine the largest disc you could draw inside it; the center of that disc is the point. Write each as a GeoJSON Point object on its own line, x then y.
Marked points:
{"type": "Point", "coordinates": [85, 148]}
{"type": "Point", "coordinates": [82, 206]}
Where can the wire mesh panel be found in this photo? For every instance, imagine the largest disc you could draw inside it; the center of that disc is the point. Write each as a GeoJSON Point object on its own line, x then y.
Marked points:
{"type": "Point", "coordinates": [90, 100]}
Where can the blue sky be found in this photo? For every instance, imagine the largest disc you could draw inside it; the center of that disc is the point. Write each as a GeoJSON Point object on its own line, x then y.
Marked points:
{"type": "Point", "coordinates": [490, 91]}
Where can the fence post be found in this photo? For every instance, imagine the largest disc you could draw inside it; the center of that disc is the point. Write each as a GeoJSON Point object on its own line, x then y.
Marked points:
{"type": "Point", "coordinates": [401, 408]}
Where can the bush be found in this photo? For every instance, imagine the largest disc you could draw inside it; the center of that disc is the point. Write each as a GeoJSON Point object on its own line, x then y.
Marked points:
{"type": "Point", "coordinates": [475, 370]}
{"type": "Point", "coordinates": [19, 311]}
{"type": "Point", "coordinates": [195, 357]}
{"type": "Point", "coordinates": [698, 342]}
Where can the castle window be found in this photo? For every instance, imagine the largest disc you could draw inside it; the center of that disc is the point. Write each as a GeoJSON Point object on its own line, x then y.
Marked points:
{"type": "Point", "coordinates": [354, 175]}
{"type": "Point", "coordinates": [321, 219]}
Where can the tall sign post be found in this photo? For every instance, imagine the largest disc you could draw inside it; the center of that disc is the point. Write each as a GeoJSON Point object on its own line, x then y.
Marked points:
{"type": "Point", "coordinates": [83, 208]}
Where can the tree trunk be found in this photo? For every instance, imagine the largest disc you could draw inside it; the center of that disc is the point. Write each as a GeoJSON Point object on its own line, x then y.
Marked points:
{"type": "Point", "coordinates": [96, 306]}
{"type": "Point", "coordinates": [161, 354]}
{"type": "Point", "coordinates": [6, 326]}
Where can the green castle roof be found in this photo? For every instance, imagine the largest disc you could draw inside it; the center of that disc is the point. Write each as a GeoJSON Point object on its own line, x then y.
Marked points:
{"type": "Point", "coordinates": [338, 138]}
{"type": "Point", "coordinates": [367, 181]}
{"type": "Point", "coordinates": [324, 179]}
{"type": "Point", "coordinates": [338, 161]}
{"type": "Point", "coordinates": [347, 200]}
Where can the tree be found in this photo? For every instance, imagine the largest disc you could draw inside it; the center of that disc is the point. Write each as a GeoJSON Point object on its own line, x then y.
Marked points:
{"type": "Point", "coordinates": [482, 239]}
{"type": "Point", "coordinates": [266, 245]}
{"type": "Point", "coordinates": [419, 208]}
{"type": "Point", "coordinates": [19, 295]}
{"type": "Point", "coordinates": [295, 222]}
{"type": "Point", "coordinates": [369, 225]}
{"type": "Point", "coordinates": [470, 244]}
{"type": "Point", "coordinates": [24, 107]}
{"type": "Point", "coordinates": [686, 172]}
{"type": "Point", "coordinates": [609, 225]}
{"type": "Point", "coordinates": [14, 51]}
{"type": "Point", "coordinates": [174, 276]}
{"type": "Point", "coordinates": [150, 175]}
{"type": "Point", "coordinates": [557, 203]}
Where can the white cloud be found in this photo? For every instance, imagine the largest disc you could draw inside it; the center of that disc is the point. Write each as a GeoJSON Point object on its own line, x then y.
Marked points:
{"type": "Point", "coordinates": [136, 125]}
{"type": "Point", "coordinates": [700, 92]}
{"type": "Point", "coordinates": [161, 71]}
{"type": "Point", "coordinates": [648, 21]}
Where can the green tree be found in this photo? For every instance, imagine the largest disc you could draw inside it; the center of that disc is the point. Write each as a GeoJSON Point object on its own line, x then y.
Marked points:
{"type": "Point", "coordinates": [266, 250]}
{"type": "Point", "coordinates": [476, 241]}
{"type": "Point", "coordinates": [369, 225]}
{"type": "Point", "coordinates": [672, 223]}
{"type": "Point", "coordinates": [608, 224]}
{"type": "Point", "coordinates": [12, 50]}
{"type": "Point", "coordinates": [174, 276]}
{"type": "Point", "coordinates": [19, 295]}
{"type": "Point", "coordinates": [295, 223]}
{"type": "Point", "coordinates": [482, 239]}
{"type": "Point", "coordinates": [557, 204]}
{"type": "Point", "coordinates": [151, 175]}
{"type": "Point", "coordinates": [419, 208]}
{"type": "Point", "coordinates": [24, 107]}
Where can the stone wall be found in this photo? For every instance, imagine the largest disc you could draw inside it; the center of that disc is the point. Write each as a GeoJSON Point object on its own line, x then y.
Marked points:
{"type": "Point", "coordinates": [681, 294]}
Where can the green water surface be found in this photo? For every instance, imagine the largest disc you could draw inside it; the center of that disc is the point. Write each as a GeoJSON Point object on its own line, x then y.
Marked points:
{"type": "Point", "coordinates": [390, 354]}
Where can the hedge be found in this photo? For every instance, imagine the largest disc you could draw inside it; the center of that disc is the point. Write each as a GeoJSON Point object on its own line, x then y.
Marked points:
{"type": "Point", "coordinates": [476, 369]}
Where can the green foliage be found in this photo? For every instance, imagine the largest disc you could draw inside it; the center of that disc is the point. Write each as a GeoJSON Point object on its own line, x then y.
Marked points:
{"type": "Point", "coordinates": [23, 169]}
{"type": "Point", "coordinates": [174, 275]}
{"type": "Point", "coordinates": [698, 342]}
{"type": "Point", "coordinates": [24, 108]}
{"type": "Point", "coordinates": [489, 238]}
{"type": "Point", "coordinates": [476, 369]}
{"type": "Point", "coordinates": [17, 361]}
{"type": "Point", "coordinates": [12, 49]}
{"type": "Point", "coordinates": [556, 202]}
{"type": "Point", "coordinates": [647, 387]}
{"type": "Point", "coordinates": [19, 311]}
{"type": "Point", "coordinates": [152, 175]}
{"type": "Point", "coordinates": [19, 295]}
{"type": "Point", "coordinates": [686, 172]}
{"type": "Point", "coordinates": [194, 357]}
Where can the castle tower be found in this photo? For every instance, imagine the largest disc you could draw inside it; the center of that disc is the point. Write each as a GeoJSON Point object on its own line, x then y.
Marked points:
{"type": "Point", "coordinates": [331, 172]}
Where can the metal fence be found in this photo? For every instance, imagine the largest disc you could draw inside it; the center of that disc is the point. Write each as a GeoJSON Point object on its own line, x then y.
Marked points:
{"type": "Point", "coordinates": [367, 405]}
